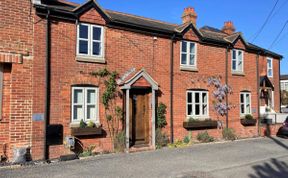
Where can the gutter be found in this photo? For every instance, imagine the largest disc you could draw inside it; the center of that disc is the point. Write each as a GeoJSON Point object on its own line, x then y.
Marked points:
{"type": "Point", "coordinates": [226, 81]}
{"type": "Point", "coordinates": [47, 88]}
{"type": "Point", "coordinates": [171, 88]}
{"type": "Point", "coordinates": [258, 91]}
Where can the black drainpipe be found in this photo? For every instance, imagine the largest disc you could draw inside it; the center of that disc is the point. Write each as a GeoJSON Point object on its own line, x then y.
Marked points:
{"type": "Point", "coordinates": [258, 90]}
{"type": "Point", "coordinates": [279, 75]}
{"type": "Point", "coordinates": [226, 81]}
{"type": "Point", "coordinates": [171, 88]}
{"type": "Point", "coordinates": [47, 88]}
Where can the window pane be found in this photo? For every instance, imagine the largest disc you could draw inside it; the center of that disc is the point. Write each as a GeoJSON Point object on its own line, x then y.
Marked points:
{"type": "Point", "coordinates": [233, 54]}
{"type": "Point", "coordinates": [184, 59]}
{"type": "Point", "coordinates": [192, 48]}
{"type": "Point", "coordinates": [97, 33]}
{"type": "Point", "coordinates": [96, 48]}
{"type": "Point", "coordinates": [189, 97]}
{"type": "Point", "coordinates": [242, 109]}
{"type": "Point", "coordinates": [78, 113]}
{"type": "Point", "coordinates": [78, 96]}
{"type": "Point", "coordinates": [247, 108]}
{"type": "Point", "coordinates": [269, 72]}
{"type": "Point", "coordinates": [83, 31]}
{"type": "Point", "coordinates": [184, 46]}
{"type": "Point", "coordinates": [240, 55]}
{"type": "Point", "coordinates": [234, 65]}
{"type": "Point", "coordinates": [91, 96]}
{"type": "Point", "coordinates": [192, 59]}
{"type": "Point", "coordinates": [197, 109]}
{"type": "Point", "coordinates": [197, 97]}
{"type": "Point", "coordinates": [240, 65]}
{"type": "Point", "coordinates": [204, 97]}
{"type": "Point", "coordinates": [242, 98]}
{"type": "Point", "coordinates": [189, 109]}
{"type": "Point", "coordinates": [204, 109]}
{"type": "Point", "coordinates": [247, 99]}
{"type": "Point", "coordinates": [83, 47]}
{"type": "Point", "coordinates": [91, 112]}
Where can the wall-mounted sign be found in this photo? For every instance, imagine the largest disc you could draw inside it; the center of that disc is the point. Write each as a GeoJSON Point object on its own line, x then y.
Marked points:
{"type": "Point", "coordinates": [38, 117]}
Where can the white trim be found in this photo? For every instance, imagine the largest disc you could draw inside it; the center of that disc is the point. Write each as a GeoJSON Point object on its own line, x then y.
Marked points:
{"type": "Point", "coordinates": [283, 84]}
{"type": "Point", "coordinates": [245, 103]}
{"type": "Point", "coordinates": [90, 40]}
{"type": "Point", "coordinates": [201, 115]}
{"type": "Point", "coordinates": [269, 68]}
{"type": "Point", "coordinates": [237, 61]}
{"type": "Point", "coordinates": [188, 53]}
{"type": "Point", "coordinates": [84, 104]}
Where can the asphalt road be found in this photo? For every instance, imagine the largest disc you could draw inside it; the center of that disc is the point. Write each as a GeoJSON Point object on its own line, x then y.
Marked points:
{"type": "Point", "coordinates": [253, 158]}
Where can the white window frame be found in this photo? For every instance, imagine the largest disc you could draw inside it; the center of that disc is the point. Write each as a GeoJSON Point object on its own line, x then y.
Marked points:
{"type": "Point", "coordinates": [284, 85]}
{"type": "Point", "coordinates": [188, 53]}
{"type": "Point", "coordinates": [201, 103]}
{"type": "Point", "coordinates": [85, 104]}
{"type": "Point", "coordinates": [269, 68]}
{"type": "Point", "coordinates": [90, 40]}
{"type": "Point", "coordinates": [237, 61]}
{"type": "Point", "coordinates": [245, 103]}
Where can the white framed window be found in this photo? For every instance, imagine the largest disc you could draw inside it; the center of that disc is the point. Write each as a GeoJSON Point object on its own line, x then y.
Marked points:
{"type": "Point", "coordinates": [197, 104]}
{"type": "Point", "coordinates": [269, 67]}
{"type": "Point", "coordinates": [188, 54]}
{"type": "Point", "coordinates": [237, 60]}
{"type": "Point", "coordinates": [284, 85]}
{"type": "Point", "coordinates": [90, 40]}
{"type": "Point", "coordinates": [85, 104]}
{"type": "Point", "coordinates": [245, 103]}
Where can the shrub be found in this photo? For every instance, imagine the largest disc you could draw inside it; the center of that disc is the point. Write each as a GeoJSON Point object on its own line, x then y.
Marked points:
{"type": "Point", "coordinates": [161, 139]}
{"type": "Point", "coordinates": [204, 137]}
{"type": "Point", "coordinates": [177, 144]}
{"type": "Point", "coordinates": [249, 117]}
{"type": "Point", "coordinates": [90, 124]}
{"type": "Point", "coordinates": [186, 139]}
{"type": "Point", "coordinates": [82, 124]}
{"type": "Point", "coordinates": [229, 134]}
{"type": "Point", "coordinates": [88, 151]}
{"type": "Point", "coordinates": [161, 118]}
{"type": "Point", "coordinates": [119, 142]}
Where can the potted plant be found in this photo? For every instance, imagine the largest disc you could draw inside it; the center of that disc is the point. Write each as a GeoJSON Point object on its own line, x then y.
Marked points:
{"type": "Point", "coordinates": [248, 120]}
{"type": "Point", "coordinates": [85, 129]}
{"type": "Point", "coordinates": [192, 123]}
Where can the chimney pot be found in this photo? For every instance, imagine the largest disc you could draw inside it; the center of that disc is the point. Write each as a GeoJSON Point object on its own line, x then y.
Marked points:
{"type": "Point", "coordinates": [189, 15]}
{"type": "Point", "coordinates": [228, 28]}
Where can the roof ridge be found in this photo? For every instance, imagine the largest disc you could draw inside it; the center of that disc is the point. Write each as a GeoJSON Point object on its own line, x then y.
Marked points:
{"type": "Point", "coordinates": [141, 17]}
{"type": "Point", "coordinates": [213, 31]}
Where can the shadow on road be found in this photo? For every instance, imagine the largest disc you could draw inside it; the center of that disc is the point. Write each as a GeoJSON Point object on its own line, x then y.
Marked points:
{"type": "Point", "coordinates": [270, 169]}
{"type": "Point", "coordinates": [278, 142]}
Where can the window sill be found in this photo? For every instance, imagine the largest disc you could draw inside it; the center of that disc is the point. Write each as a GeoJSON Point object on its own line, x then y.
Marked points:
{"type": "Point", "coordinates": [91, 59]}
{"type": "Point", "coordinates": [188, 68]}
{"type": "Point", "coordinates": [77, 124]}
{"type": "Point", "coordinates": [238, 73]}
{"type": "Point", "coordinates": [200, 118]}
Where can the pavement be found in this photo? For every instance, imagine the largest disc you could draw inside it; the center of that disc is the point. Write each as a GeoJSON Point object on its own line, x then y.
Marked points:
{"type": "Point", "coordinates": [252, 158]}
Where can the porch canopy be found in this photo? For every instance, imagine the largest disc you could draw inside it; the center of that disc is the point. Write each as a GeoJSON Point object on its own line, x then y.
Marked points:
{"type": "Point", "coordinates": [266, 83]}
{"type": "Point", "coordinates": [138, 80]}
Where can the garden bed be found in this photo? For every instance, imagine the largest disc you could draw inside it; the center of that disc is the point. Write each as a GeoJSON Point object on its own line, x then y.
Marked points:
{"type": "Point", "coordinates": [78, 131]}
{"type": "Point", "coordinates": [248, 122]}
{"type": "Point", "coordinates": [196, 125]}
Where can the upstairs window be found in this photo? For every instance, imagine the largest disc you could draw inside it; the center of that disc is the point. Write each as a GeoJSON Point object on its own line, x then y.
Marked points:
{"type": "Point", "coordinates": [237, 60]}
{"type": "Point", "coordinates": [197, 103]}
{"type": "Point", "coordinates": [269, 67]}
{"type": "Point", "coordinates": [188, 54]}
{"type": "Point", "coordinates": [90, 40]}
{"type": "Point", "coordinates": [85, 104]}
{"type": "Point", "coordinates": [245, 103]}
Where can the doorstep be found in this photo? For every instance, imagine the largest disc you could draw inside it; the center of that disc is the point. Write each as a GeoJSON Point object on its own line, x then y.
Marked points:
{"type": "Point", "coordinates": [139, 148]}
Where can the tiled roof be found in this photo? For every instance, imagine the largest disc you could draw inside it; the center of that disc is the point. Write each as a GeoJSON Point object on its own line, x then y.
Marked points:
{"type": "Point", "coordinates": [206, 32]}
{"type": "Point", "coordinates": [283, 77]}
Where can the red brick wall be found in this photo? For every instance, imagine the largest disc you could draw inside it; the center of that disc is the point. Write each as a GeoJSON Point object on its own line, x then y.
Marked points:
{"type": "Point", "coordinates": [16, 47]}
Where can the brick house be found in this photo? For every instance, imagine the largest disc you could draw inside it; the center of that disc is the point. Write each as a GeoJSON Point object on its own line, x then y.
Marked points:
{"type": "Point", "coordinates": [47, 58]}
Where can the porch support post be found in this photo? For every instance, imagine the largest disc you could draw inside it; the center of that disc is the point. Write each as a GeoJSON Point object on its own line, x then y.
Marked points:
{"type": "Point", "coordinates": [153, 119]}
{"type": "Point", "coordinates": [127, 119]}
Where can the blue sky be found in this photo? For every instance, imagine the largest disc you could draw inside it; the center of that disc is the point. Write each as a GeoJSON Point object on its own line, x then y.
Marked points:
{"type": "Point", "coordinates": [248, 16]}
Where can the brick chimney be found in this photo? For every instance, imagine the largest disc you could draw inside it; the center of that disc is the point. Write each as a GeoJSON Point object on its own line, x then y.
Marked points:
{"type": "Point", "coordinates": [228, 28]}
{"type": "Point", "coordinates": [189, 15]}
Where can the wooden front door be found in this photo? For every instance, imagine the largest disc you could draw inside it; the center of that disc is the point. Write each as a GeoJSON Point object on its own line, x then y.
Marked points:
{"type": "Point", "coordinates": [139, 117]}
